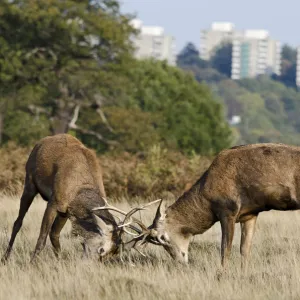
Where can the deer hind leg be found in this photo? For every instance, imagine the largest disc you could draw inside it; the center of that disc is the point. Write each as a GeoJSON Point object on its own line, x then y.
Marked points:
{"type": "Point", "coordinates": [227, 225]}
{"type": "Point", "coordinates": [48, 219]}
{"type": "Point", "coordinates": [247, 232]}
{"type": "Point", "coordinates": [56, 228]}
{"type": "Point", "coordinates": [28, 195]}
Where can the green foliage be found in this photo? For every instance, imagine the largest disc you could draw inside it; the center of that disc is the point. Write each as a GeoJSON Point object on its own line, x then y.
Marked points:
{"type": "Point", "coordinates": [68, 51]}
{"type": "Point", "coordinates": [23, 129]}
{"type": "Point", "coordinates": [191, 119]}
{"type": "Point", "coordinates": [67, 66]}
{"type": "Point", "coordinates": [134, 129]}
{"type": "Point", "coordinates": [268, 109]}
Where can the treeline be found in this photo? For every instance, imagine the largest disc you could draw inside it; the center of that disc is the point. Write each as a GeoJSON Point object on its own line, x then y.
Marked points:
{"type": "Point", "coordinates": [269, 106]}
{"type": "Point", "coordinates": [68, 66]}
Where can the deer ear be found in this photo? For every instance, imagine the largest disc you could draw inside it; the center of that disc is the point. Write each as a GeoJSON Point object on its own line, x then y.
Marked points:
{"type": "Point", "coordinates": [160, 214]}
{"type": "Point", "coordinates": [104, 228]}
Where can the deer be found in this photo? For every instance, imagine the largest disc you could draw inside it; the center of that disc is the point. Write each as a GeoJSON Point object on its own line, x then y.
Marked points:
{"type": "Point", "coordinates": [240, 183]}
{"type": "Point", "coordinates": [68, 176]}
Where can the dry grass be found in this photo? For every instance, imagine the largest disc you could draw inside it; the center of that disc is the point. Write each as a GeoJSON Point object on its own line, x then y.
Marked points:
{"type": "Point", "coordinates": [273, 273]}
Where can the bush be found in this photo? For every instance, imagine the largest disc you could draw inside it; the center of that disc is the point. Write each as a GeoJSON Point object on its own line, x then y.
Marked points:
{"type": "Point", "coordinates": [12, 168]}
{"type": "Point", "coordinates": [155, 172]}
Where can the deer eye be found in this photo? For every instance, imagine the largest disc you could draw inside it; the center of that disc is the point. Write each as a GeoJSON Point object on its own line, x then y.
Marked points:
{"type": "Point", "coordinates": [100, 251]}
{"type": "Point", "coordinates": [162, 237]}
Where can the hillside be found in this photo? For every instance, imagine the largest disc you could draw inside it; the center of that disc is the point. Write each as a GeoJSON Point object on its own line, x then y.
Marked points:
{"type": "Point", "coordinates": [268, 108]}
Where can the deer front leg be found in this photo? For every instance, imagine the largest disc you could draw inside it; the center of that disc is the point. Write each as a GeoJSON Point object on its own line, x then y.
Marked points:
{"type": "Point", "coordinates": [47, 222]}
{"type": "Point", "coordinates": [227, 225]}
{"type": "Point", "coordinates": [247, 232]}
{"type": "Point", "coordinates": [27, 197]}
{"type": "Point", "coordinates": [56, 228]}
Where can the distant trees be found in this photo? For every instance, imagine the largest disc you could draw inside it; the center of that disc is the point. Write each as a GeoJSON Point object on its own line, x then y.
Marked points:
{"type": "Point", "coordinates": [189, 59]}
{"type": "Point", "coordinates": [67, 66]}
{"type": "Point", "coordinates": [222, 58]}
{"type": "Point", "coordinates": [268, 109]}
{"type": "Point", "coordinates": [288, 66]}
{"type": "Point", "coordinates": [188, 117]}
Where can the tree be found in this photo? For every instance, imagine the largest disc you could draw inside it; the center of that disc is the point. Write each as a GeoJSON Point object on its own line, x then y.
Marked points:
{"type": "Point", "coordinates": [189, 55]}
{"type": "Point", "coordinates": [190, 118]}
{"type": "Point", "coordinates": [288, 66]}
{"type": "Point", "coordinates": [189, 60]}
{"type": "Point", "coordinates": [58, 57]}
{"type": "Point", "coordinates": [222, 59]}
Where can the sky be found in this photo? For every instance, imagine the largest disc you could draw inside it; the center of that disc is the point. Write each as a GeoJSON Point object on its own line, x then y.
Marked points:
{"type": "Point", "coordinates": [185, 19]}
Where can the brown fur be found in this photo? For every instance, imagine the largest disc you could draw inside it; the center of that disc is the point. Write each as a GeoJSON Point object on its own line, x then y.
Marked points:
{"type": "Point", "coordinates": [68, 176]}
{"type": "Point", "coordinates": [240, 183]}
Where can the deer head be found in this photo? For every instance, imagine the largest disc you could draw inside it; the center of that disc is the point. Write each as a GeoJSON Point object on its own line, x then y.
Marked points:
{"type": "Point", "coordinates": [110, 241]}
{"type": "Point", "coordinates": [104, 242]}
{"type": "Point", "coordinates": [164, 231]}
{"type": "Point", "coordinates": [167, 232]}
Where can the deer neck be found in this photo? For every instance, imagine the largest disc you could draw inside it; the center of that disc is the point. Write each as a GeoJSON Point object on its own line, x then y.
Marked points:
{"type": "Point", "coordinates": [85, 200]}
{"type": "Point", "coordinates": [191, 214]}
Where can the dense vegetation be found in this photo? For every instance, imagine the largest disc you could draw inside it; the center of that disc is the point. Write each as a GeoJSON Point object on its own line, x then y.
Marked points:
{"type": "Point", "coordinates": [68, 66]}
{"type": "Point", "coordinates": [268, 106]}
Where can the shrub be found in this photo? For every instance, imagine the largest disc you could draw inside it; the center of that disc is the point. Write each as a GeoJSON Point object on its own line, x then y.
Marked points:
{"type": "Point", "coordinates": [155, 172]}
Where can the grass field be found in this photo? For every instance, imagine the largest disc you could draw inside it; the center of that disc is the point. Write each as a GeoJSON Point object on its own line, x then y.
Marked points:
{"type": "Point", "coordinates": [274, 269]}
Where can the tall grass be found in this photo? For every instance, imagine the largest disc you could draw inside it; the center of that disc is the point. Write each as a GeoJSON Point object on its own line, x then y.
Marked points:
{"type": "Point", "coordinates": [274, 269]}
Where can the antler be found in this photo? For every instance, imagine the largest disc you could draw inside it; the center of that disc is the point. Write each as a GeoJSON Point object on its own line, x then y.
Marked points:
{"type": "Point", "coordinates": [128, 216]}
{"type": "Point", "coordinates": [141, 235]}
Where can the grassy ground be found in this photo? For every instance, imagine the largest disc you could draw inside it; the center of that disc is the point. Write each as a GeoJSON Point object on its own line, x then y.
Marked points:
{"type": "Point", "coordinates": [274, 269]}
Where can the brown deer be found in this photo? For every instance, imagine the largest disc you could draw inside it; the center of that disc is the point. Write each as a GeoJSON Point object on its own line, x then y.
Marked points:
{"type": "Point", "coordinates": [68, 176]}
{"type": "Point", "coordinates": [240, 183]}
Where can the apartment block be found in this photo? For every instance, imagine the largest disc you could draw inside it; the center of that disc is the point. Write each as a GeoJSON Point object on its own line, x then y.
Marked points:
{"type": "Point", "coordinates": [254, 53]}
{"type": "Point", "coordinates": [153, 42]}
{"type": "Point", "coordinates": [211, 38]}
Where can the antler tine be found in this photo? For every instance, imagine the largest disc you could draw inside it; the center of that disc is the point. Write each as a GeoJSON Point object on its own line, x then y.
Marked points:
{"type": "Point", "coordinates": [136, 209]}
{"type": "Point", "coordinates": [109, 207]}
{"type": "Point", "coordinates": [143, 207]}
{"type": "Point", "coordinates": [152, 202]}
{"type": "Point", "coordinates": [140, 223]}
{"type": "Point", "coordinates": [134, 234]}
{"type": "Point", "coordinates": [125, 224]}
{"type": "Point", "coordinates": [105, 201]}
{"type": "Point", "coordinates": [145, 231]}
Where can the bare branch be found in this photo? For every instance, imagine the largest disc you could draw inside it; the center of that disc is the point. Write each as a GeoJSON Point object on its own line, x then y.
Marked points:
{"type": "Point", "coordinates": [72, 125]}
{"type": "Point", "coordinates": [95, 134]}
{"type": "Point", "coordinates": [104, 120]}
{"type": "Point", "coordinates": [75, 117]}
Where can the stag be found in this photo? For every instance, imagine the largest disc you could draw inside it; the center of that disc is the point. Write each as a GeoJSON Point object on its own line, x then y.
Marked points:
{"type": "Point", "coordinates": [240, 183]}
{"type": "Point", "coordinates": [68, 176]}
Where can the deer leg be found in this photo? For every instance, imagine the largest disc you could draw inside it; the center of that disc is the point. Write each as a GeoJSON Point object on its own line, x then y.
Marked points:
{"type": "Point", "coordinates": [247, 232]}
{"type": "Point", "coordinates": [47, 222]}
{"type": "Point", "coordinates": [227, 225]}
{"type": "Point", "coordinates": [27, 197]}
{"type": "Point", "coordinates": [56, 228]}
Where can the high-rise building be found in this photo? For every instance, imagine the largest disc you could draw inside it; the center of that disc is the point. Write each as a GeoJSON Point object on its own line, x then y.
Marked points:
{"type": "Point", "coordinates": [211, 38]}
{"type": "Point", "coordinates": [254, 53]}
{"type": "Point", "coordinates": [153, 42]}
